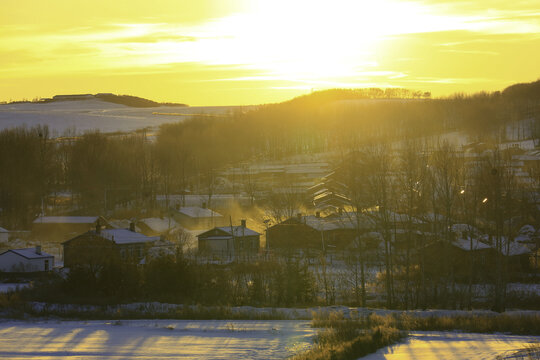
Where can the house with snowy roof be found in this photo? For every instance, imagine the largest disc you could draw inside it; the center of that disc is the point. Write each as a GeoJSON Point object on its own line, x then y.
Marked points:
{"type": "Point", "coordinates": [96, 247]}
{"type": "Point", "coordinates": [229, 241]}
{"type": "Point", "coordinates": [26, 260]}
{"type": "Point", "coordinates": [194, 217]}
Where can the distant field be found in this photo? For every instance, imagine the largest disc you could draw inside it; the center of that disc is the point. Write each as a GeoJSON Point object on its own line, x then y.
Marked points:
{"type": "Point", "coordinates": [84, 115]}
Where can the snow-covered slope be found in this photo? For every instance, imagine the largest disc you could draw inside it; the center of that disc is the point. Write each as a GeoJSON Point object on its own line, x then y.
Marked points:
{"type": "Point", "coordinates": [83, 115]}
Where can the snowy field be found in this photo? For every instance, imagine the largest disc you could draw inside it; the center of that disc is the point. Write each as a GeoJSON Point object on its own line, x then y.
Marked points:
{"type": "Point", "coordinates": [84, 115]}
{"type": "Point", "coordinates": [422, 345]}
{"type": "Point", "coordinates": [222, 339]}
{"type": "Point", "coordinates": [154, 339]}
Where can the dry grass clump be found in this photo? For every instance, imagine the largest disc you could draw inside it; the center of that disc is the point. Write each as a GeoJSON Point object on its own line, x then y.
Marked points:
{"type": "Point", "coordinates": [519, 324]}
{"type": "Point", "coordinates": [346, 339]}
{"type": "Point", "coordinates": [354, 337]}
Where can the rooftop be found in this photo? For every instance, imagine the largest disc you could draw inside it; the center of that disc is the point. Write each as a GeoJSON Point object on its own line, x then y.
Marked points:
{"type": "Point", "coordinates": [30, 253]}
{"type": "Point", "coordinates": [125, 236]}
{"type": "Point", "coordinates": [198, 212]}
{"type": "Point", "coordinates": [160, 225]}
{"type": "Point", "coordinates": [66, 220]}
{"type": "Point", "coordinates": [239, 231]}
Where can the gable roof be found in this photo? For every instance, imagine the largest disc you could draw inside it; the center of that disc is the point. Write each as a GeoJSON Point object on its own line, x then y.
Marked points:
{"type": "Point", "coordinates": [126, 236]}
{"type": "Point", "coordinates": [237, 231]}
{"type": "Point", "coordinates": [198, 212]}
{"type": "Point", "coordinates": [29, 253]}
{"type": "Point", "coordinates": [160, 225]}
{"type": "Point", "coordinates": [118, 236]}
{"type": "Point", "coordinates": [2, 230]}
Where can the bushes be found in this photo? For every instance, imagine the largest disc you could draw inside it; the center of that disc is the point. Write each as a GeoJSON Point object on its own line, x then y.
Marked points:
{"type": "Point", "coordinates": [345, 339]}
{"type": "Point", "coordinates": [519, 323]}
{"type": "Point", "coordinates": [367, 342]}
{"type": "Point", "coordinates": [178, 280]}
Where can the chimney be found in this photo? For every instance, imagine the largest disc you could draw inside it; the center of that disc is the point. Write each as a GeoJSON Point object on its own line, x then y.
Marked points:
{"type": "Point", "coordinates": [38, 249]}
{"type": "Point", "coordinates": [318, 214]}
{"type": "Point", "coordinates": [204, 205]}
{"type": "Point", "coordinates": [132, 226]}
{"type": "Point", "coordinates": [98, 227]}
{"type": "Point", "coordinates": [243, 223]}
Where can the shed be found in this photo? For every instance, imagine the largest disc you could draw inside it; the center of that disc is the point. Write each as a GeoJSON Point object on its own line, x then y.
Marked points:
{"type": "Point", "coordinates": [229, 241]}
{"type": "Point", "coordinates": [26, 260]}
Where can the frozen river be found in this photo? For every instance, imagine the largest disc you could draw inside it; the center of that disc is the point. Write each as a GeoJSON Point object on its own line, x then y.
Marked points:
{"type": "Point", "coordinates": [153, 339]}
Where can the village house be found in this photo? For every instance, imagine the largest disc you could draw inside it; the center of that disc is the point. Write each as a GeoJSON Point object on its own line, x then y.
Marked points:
{"type": "Point", "coordinates": [476, 253]}
{"type": "Point", "coordinates": [103, 245]}
{"type": "Point", "coordinates": [229, 241]}
{"type": "Point", "coordinates": [61, 228]}
{"type": "Point", "coordinates": [337, 231]}
{"type": "Point", "coordinates": [26, 260]}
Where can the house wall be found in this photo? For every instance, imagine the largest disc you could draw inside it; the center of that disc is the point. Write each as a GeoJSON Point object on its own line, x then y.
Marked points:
{"type": "Point", "coordinates": [89, 250]}
{"type": "Point", "coordinates": [4, 237]}
{"type": "Point", "coordinates": [11, 262]}
{"type": "Point", "coordinates": [218, 247]}
{"type": "Point", "coordinates": [247, 244]}
{"type": "Point", "coordinates": [293, 236]}
{"type": "Point", "coordinates": [133, 252]}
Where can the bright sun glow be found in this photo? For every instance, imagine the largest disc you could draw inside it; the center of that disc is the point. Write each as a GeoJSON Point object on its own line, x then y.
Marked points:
{"type": "Point", "coordinates": [307, 40]}
{"type": "Point", "coordinates": [252, 51]}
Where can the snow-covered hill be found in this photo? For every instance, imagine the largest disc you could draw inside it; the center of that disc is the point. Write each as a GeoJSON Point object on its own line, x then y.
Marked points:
{"type": "Point", "coordinates": [84, 115]}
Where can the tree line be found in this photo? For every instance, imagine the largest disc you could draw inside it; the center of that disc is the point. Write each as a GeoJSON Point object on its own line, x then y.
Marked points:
{"type": "Point", "coordinates": [104, 170]}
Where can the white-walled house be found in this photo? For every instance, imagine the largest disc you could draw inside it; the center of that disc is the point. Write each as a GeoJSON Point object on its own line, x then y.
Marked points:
{"type": "Point", "coordinates": [26, 260]}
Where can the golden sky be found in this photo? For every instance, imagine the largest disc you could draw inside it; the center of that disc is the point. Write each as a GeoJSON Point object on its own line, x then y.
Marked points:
{"type": "Point", "coordinates": [211, 52]}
